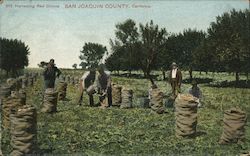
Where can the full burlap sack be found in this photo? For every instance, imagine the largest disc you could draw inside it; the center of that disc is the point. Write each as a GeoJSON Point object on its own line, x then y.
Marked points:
{"type": "Point", "coordinates": [156, 100]}
{"type": "Point", "coordinates": [50, 101]}
{"type": "Point", "coordinates": [12, 83]}
{"type": "Point", "coordinates": [30, 81]}
{"type": "Point", "coordinates": [24, 81]}
{"type": "Point", "coordinates": [9, 104]}
{"type": "Point", "coordinates": [127, 98]}
{"type": "Point", "coordinates": [116, 95]}
{"type": "Point", "coordinates": [5, 92]}
{"type": "Point", "coordinates": [23, 131]}
{"type": "Point", "coordinates": [103, 101]}
{"type": "Point", "coordinates": [185, 115]}
{"type": "Point", "coordinates": [233, 126]}
{"type": "Point", "coordinates": [68, 79]}
{"type": "Point", "coordinates": [62, 90]}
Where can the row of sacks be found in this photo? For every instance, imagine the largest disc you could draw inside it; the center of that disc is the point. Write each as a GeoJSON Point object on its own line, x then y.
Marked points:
{"type": "Point", "coordinates": [123, 97]}
{"type": "Point", "coordinates": [20, 120]}
{"type": "Point", "coordinates": [23, 81]}
{"type": "Point", "coordinates": [13, 94]}
{"type": "Point", "coordinates": [73, 80]}
{"type": "Point", "coordinates": [186, 107]}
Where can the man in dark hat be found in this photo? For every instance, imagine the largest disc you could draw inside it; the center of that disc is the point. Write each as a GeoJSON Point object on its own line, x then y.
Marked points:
{"type": "Point", "coordinates": [87, 84]}
{"type": "Point", "coordinates": [104, 87]}
{"type": "Point", "coordinates": [175, 78]}
{"type": "Point", "coordinates": [50, 73]}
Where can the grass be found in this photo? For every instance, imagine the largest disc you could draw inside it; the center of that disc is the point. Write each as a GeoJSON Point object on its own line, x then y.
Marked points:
{"type": "Point", "coordinates": [94, 131]}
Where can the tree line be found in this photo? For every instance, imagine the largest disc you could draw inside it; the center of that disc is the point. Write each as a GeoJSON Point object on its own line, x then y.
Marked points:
{"type": "Point", "coordinates": [13, 56]}
{"type": "Point", "coordinates": [224, 47]}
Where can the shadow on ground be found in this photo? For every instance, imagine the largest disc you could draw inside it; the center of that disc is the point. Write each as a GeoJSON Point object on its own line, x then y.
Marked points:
{"type": "Point", "coordinates": [198, 80]}
{"type": "Point", "coordinates": [134, 76]}
{"type": "Point", "coordinates": [230, 84]}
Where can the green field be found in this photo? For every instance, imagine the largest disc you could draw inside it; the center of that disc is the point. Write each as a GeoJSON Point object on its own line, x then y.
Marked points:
{"type": "Point", "coordinates": [114, 131]}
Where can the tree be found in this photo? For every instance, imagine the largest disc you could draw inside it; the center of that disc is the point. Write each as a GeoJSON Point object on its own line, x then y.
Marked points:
{"type": "Point", "coordinates": [139, 50]}
{"type": "Point", "coordinates": [74, 66]}
{"type": "Point", "coordinates": [117, 60]}
{"type": "Point", "coordinates": [91, 54]}
{"type": "Point", "coordinates": [83, 65]}
{"type": "Point", "coordinates": [203, 59]}
{"type": "Point", "coordinates": [191, 40]}
{"type": "Point", "coordinates": [151, 44]}
{"type": "Point", "coordinates": [14, 55]}
{"type": "Point", "coordinates": [126, 36]}
{"type": "Point", "coordinates": [181, 48]}
{"type": "Point", "coordinates": [228, 38]}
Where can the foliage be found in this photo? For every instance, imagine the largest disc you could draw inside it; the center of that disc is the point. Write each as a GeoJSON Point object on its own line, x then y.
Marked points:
{"type": "Point", "coordinates": [123, 53]}
{"type": "Point", "coordinates": [224, 47]}
{"type": "Point", "coordinates": [151, 44]}
{"type": "Point", "coordinates": [14, 55]}
{"type": "Point", "coordinates": [227, 44]}
{"type": "Point", "coordinates": [136, 50]}
{"type": "Point", "coordinates": [92, 54]}
{"type": "Point", "coordinates": [181, 47]}
{"type": "Point", "coordinates": [74, 66]}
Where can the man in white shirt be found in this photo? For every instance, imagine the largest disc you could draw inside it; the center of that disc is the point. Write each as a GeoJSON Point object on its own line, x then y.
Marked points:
{"type": "Point", "coordinates": [175, 78]}
{"type": "Point", "coordinates": [87, 84]}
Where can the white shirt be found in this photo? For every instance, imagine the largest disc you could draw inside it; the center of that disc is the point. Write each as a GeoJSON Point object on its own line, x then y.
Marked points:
{"type": "Point", "coordinates": [84, 76]}
{"type": "Point", "coordinates": [174, 71]}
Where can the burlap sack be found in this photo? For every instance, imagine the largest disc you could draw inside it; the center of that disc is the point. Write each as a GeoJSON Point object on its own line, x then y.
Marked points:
{"type": "Point", "coordinates": [233, 126]}
{"type": "Point", "coordinates": [18, 83]}
{"type": "Point", "coordinates": [68, 79]}
{"type": "Point", "coordinates": [23, 131]}
{"type": "Point", "coordinates": [6, 108]}
{"type": "Point", "coordinates": [127, 98]}
{"type": "Point", "coordinates": [50, 101]}
{"type": "Point", "coordinates": [24, 82]}
{"type": "Point", "coordinates": [22, 94]}
{"type": "Point", "coordinates": [72, 80]}
{"type": "Point", "coordinates": [156, 101]}
{"type": "Point", "coordinates": [116, 95]}
{"type": "Point", "coordinates": [62, 90]}
{"type": "Point", "coordinates": [12, 83]}
{"type": "Point", "coordinates": [11, 103]}
{"type": "Point", "coordinates": [185, 115]}
{"type": "Point", "coordinates": [5, 91]}
{"type": "Point", "coordinates": [30, 81]}
{"type": "Point", "coordinates": [103, 101]}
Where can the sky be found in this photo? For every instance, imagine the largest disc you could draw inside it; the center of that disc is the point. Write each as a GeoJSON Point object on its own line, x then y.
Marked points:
{"type": "Point", "coordinates": [59, 29]}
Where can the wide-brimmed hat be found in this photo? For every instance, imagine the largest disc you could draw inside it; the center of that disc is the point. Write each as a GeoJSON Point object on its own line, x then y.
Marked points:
{"type": "Point", "coordinates": [174, 64]}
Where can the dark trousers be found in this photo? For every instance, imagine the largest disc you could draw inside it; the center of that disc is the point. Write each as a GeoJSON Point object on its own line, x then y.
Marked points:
{"type": "Point", "coordinates": [91, 99]}
{"type": "Point", "coordinates": [175, 87]}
